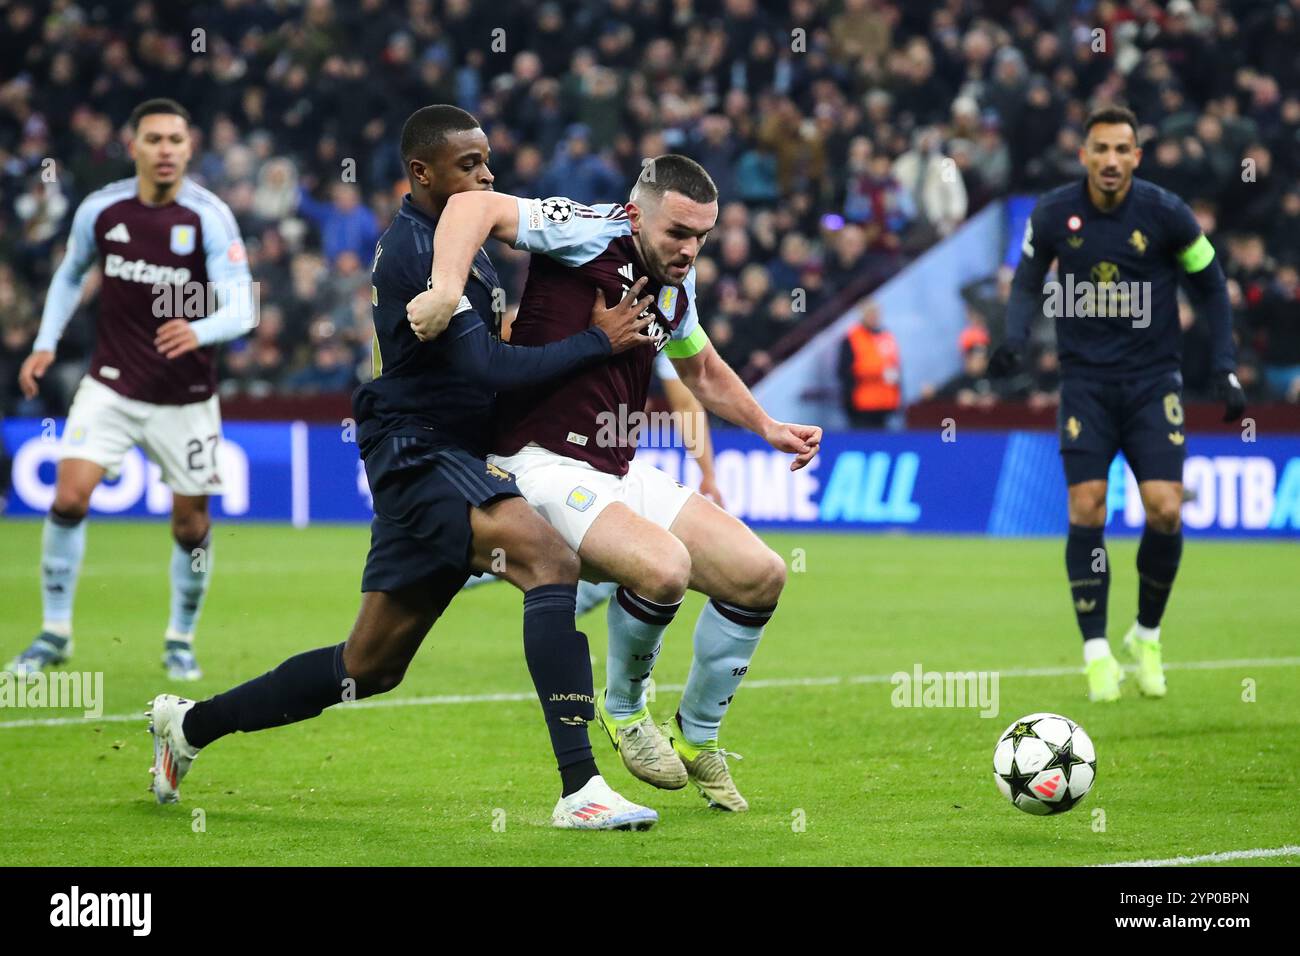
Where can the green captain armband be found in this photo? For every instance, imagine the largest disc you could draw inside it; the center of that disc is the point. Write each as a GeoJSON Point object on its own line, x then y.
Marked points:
{"type": "Point", "coordinates": [691, 345]}
{"type": "Point", "coordinates": [1196, 256]}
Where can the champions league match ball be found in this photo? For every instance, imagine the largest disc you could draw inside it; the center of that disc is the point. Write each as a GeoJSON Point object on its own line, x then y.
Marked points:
{"type": "Point", "coordinates": [1044, 763]}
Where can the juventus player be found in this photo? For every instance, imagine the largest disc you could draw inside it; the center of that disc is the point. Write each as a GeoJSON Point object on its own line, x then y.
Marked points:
{"type": "Point", "coordinates": [159, 238]}
{"type": "Point", "coordinates": [629, 522]}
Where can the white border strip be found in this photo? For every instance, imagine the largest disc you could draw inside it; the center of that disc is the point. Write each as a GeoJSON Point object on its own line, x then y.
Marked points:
{"type": "Point", "coordinates": [1214, 857]}
{"type": "Point", "coordinates": [775, 682]}
{"type": "Point", "coordinates": [299, 475]}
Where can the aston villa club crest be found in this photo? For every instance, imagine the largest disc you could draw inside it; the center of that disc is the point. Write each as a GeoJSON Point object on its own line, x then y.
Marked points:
{"type": "Point", "coordinates": [183, 238]}
{"type": "Point", "coordinates": [667, 301]}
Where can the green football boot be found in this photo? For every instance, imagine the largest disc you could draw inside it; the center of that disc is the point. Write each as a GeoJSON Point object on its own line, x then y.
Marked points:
{"type": "Point", "coordinates": [1145, 654]}
{"type": "Point", "coordinates": [1104, 677]}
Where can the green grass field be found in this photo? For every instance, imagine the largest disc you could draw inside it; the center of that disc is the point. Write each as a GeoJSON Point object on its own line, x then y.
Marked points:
{"type": "Point", "coordinates": [834, 773]}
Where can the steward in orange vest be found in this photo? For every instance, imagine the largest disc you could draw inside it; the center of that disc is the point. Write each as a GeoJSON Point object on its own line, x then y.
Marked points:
{"type": "Point", "coordinates": [869, 371]}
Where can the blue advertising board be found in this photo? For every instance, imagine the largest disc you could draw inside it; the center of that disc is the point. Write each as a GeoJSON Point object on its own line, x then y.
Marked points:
{"type": "Point", "coordinates": [997, 483]}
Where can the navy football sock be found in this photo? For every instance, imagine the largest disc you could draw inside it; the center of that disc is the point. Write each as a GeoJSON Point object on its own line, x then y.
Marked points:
{"type": "Point", "coordinates": [560, 665]}
{"type": "Point", "coordinates": [299, 688]}
{"type": "Point", "coordinates": [1088, 566]}
{"type": "Point", "coordinates": [1157, 565]}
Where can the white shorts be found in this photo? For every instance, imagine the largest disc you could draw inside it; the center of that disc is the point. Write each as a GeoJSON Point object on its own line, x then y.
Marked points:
{"type": "Point", "coordinates": [181, 439]}
{"type": "Point", "coordinates": [570, 494]}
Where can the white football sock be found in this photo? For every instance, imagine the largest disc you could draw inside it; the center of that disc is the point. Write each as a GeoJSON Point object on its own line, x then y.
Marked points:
{"type": "Point", "coordinates": [1095, 647]}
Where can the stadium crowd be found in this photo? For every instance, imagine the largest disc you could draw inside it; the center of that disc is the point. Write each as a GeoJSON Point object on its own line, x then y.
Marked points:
{"type": "Point", "coordinates": [843, 135]}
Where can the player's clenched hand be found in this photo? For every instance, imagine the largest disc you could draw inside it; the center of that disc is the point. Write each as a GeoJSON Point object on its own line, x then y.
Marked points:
{"type": "Point", "coordinates": [34, 367]}
{"type": "Point", "coordinates": [1227, 389]}
{"type": "Point", "coordinates": [622, 323]}
{"type": "Point", "coordinates": [429, 313]}
{"type": "Point", "coordinates": [802, 440]}
{"type": "Point", "coordinates": [175, 337]}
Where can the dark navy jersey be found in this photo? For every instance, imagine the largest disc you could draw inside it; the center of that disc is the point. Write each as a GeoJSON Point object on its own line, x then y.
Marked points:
{"type": "Point", "coordinates": [1114, 300]}
{"type": "Point", "coordinates": [417, 388]}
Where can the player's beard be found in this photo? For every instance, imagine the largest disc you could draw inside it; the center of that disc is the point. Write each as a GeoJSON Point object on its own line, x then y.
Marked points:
{"type": "Point", "coordinates": [1115, 186]}
{"type": "Point", "coordinates": [658, 269]}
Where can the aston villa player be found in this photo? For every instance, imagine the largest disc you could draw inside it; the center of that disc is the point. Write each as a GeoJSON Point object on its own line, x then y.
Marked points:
{"type": "Point", "coordinates": [152, 381]}
{"type": "Point", "coordinates": [630, 522]}
{"type": "Point", "coordinates": [1121, 245]}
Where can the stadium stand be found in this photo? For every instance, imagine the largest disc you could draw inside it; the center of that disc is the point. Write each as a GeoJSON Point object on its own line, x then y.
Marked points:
{"type": "Point", "coordinates": [845, 137]}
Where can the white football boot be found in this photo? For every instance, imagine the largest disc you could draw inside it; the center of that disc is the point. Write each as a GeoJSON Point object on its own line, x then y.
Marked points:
{"type": "Point", "coordinates": [172, 753]}
{"type": "Point", "coordinates": [597, 807]}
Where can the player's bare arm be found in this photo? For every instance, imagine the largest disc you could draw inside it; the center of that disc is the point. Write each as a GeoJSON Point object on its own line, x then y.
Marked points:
{"type": "Point", "coordinates": [721, 391]}
{"type": "Point", "coordinates": [695, 435]}
{"type": "Point", "coordinates": [34, 368]}
{"type": "Point", "coordinates": [466, 222]}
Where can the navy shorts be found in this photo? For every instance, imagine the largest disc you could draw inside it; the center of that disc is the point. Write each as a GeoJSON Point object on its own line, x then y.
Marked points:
{"type": "Point", "coordinates": [422, 495]}
{"type": "Point", "coordinates": [1142, 418]}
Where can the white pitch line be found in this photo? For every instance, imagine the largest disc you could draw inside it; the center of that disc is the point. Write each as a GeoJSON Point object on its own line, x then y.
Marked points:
{"type": "Point", "coordinates": [1214, 857]}
{"type": "Point", "coordinates": [757, 684]}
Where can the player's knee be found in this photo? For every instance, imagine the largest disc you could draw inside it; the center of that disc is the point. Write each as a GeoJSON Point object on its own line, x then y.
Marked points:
{"type": "Point", "coordinates": [769, 580]}
{"type": "Point", "coordinates": [70, 508]}
{"type": "Point", "coordinates": [541, 558]}
{"type": "Point", "coordinates": [190, 530]}
{"type": "Point", "coordinates": [666, 579]}
{"type": "Point", "coordinates": [1088, 510]}
{"type": "Point", "coordinates": [556, 562]}
{"type": "Point", "coordinates": [71, 502]}
{"type": "Point", "coordinates": [374, 674]}
{"type": "Point", "coordinates": [1165, 515]}
{"type": "Point", "coordinates": [762, 580]}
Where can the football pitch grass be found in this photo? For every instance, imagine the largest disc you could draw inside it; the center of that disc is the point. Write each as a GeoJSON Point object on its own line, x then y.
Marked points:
{"type": "Point", "coordinates": [454, 767]}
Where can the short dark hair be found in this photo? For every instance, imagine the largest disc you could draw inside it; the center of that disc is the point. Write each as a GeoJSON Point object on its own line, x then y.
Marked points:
{"type": "Point", "coordinates": [427, 128]}
{"type": "Point", "coordinates": [155, 106]}
{"type": "Point", "coordinates": [678, 174]}
{"type": "Point", "coordinates": [1111, 114]}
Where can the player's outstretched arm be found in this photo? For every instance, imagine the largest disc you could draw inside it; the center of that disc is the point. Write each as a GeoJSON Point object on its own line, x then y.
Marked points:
{"type": "Point", "coordinates": [695, 434]}
{"type": "Point", "coordinates": [502, 367]}
{"type": "Point", "coordinates": [466, 222]}
{"type": "Point", "coordinates": [1209, 291]}
{"type": "Point", "coordinates": [62, 299]}
{"type": "Point", "coordinates": [721, 391]}
{"type": "Point", "coordinates": [1025, 301]}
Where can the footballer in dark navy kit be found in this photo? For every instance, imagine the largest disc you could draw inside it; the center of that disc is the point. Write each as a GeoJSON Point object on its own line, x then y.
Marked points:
{"type": "Point", "coordinates": [441, 511]}
{"type": "Point", "coordinates": [1120, 245]}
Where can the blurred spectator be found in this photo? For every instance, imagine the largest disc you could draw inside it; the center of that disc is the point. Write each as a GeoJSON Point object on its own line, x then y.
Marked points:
{"type": "Point", "coordinates": [934, 183]}
{"type": "Point", "coordinates": [1280, 319]}
{"type": "Point", "coordinates": [877, 200]}
{"type": "Point", "coordinates": [344, 224]}
{"type": "Point", "coordinates": [891, 125]}
{"type": "Point", "coordinates": [575, 171]}
{"type": "Point", "coordinates": [869, 371]}
{"type": "Point", "coordinates": [972, 385]}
